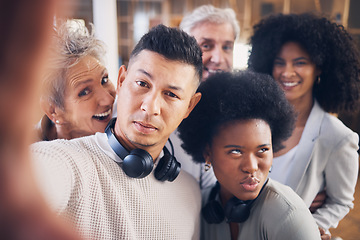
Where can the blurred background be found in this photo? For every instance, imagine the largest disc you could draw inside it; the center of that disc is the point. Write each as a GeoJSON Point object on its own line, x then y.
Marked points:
{"type": "Point", "coordinates": [121, 23]}
{"type": "Point", "coordinates": [128, 20]}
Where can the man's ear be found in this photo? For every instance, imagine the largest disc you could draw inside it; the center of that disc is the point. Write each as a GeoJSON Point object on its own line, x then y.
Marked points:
{"type": "Point", "coordinates": [53, 112]}
{"type": "Point", "coordinates": [121, 77]}
{"type": "Point", "coordinates": [193, 101]}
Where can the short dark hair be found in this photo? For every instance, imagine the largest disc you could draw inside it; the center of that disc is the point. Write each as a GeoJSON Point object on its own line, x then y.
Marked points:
{"type": "Point", "coordinates": [240, 95]}
{"type": "Point", "coordinates": [173, 44]}
{"type": "Point", "coordinates": [330, 47]}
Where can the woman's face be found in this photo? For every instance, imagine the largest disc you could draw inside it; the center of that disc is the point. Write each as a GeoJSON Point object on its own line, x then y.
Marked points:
{"type": "Point", "coordinates": [295, 72]}
{"type": "Point", "coordinates": [241, 156]}
{"type": "Point", "coordinates": [88, 99]}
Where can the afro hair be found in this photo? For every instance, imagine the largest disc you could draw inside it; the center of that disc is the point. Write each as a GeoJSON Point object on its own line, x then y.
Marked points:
{"type": "Point", "coordinates": [330, 47]}
{"type": "Point", "coordinates": [240, 95]}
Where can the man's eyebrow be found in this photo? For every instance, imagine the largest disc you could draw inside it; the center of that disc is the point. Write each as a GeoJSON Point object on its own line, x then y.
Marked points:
{"type": "Point", "coordinates": [229, 42]}
{"type": "Point", "coordinates": [173, 87]}
{"type": "Point", "coordinates": [207, 39]}
{"type": "Point", "coordinates": [176, 88]}
{"type": "Point", "coordinates": [145, 72]}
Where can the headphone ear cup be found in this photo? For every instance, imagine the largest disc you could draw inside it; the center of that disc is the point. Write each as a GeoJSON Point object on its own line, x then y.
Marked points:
{"type": "Point", "coordinates": [168, 168]}
{"type": "Point", "coordinates": [237, 210]}
{"type": "Point", "coordinates": [138, 163]}
{"type": "Point", "coordinates": [175, 170]}
{"type": "Point", "coordinates": [213, 212]}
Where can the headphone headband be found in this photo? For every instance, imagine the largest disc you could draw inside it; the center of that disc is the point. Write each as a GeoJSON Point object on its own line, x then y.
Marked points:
{"type": "Point", "coordinates": [113, 142]}
{"type": "Point", "coordinates": [235, 210]}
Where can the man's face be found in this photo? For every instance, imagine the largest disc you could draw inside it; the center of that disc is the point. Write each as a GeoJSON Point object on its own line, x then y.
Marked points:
{"type": "Point", "coordinates": [217, 44]}
{"type": "Point", "coordinates": [154, 95]}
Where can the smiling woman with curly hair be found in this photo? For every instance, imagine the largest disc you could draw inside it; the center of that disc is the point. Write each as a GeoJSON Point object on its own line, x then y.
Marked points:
{"type": "Point", "coordinates": [317, 65]}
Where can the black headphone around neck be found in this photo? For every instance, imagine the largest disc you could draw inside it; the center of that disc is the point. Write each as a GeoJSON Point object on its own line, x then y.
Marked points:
{"type": "Point", "coordinates": [235, 210]}
{"type": "Point", "coordinates": [139, 163]}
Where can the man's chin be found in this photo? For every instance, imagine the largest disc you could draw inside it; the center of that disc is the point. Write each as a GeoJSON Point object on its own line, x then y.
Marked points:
{"type": "Point", "coordinates": [209, 72]}
{"type": "Point", "coordinates": [140, 142]}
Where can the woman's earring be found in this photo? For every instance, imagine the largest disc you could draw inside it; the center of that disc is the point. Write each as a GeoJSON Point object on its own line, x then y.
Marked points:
{"type": "Point", "coordinates": [207, 166]}
{"type": "Point", "coordinates": [270, 169]}
{"type": "Point", "coordinates": [57, 121]}
{"type": "Point", "coordinates": [318, 80]}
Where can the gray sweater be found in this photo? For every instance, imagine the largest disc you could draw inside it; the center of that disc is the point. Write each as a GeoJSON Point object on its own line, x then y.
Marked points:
{"type": "Point", "coordinates": [277, 214]}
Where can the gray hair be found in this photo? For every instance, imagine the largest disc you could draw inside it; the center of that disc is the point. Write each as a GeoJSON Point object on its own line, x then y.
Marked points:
{"type": "Point", "coordinates": [71, 42]}
{"type": "Point", "coordinates": [209, 13]}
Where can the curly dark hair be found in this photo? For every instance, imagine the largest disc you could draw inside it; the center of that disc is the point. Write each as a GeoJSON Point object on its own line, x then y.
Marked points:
{"type": "Point", "coordinates": [240, 95]}
{"type": "Point", "coordinates": [330, 47]}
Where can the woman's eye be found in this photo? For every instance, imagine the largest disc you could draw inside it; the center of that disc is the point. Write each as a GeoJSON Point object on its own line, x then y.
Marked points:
{"type": "Point", "coordinates": [84, 92]}
{"type": "Point", "coordinates": [279, 63]}
{"type": "Point", "coordinates": [235, 151]}
{"type": "Point", "coordinates": [104, 80]}
{"type": "Point", "coordinates": [262, 150]}
{"type": "Point", "coordinates": [300, 63]}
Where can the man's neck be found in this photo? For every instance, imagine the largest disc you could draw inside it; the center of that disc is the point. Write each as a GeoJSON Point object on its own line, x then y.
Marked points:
{"type": "Point", "coordinates": [153, 150]}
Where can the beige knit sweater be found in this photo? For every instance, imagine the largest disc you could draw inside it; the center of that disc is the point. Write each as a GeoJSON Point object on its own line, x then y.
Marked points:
{"type": "Point", "coordinates": [84, 184]}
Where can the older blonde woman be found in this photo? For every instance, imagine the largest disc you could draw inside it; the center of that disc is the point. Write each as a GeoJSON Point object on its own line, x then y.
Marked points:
{"type": "Point", "coordinates": [77, 95]}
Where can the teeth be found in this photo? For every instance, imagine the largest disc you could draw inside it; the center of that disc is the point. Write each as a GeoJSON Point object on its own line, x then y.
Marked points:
{"type": "Point", "coordinates": [290, 84]}
{"type": "Point", "coordinates": [103, 114]}
{"type": "Point", "coordinates": [214, 71]}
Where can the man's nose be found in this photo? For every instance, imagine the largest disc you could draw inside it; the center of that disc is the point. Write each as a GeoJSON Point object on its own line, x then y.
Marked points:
{"type": "Point", "coordinates": [151, 104]}
{"type": "Point", "coordinates": [217, 55]}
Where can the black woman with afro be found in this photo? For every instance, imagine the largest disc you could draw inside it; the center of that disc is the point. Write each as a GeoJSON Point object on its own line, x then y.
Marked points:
{"type": "Point", "coordinates": [240, 120]}
{"type": "Point", "coordinates": [316, 63]}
